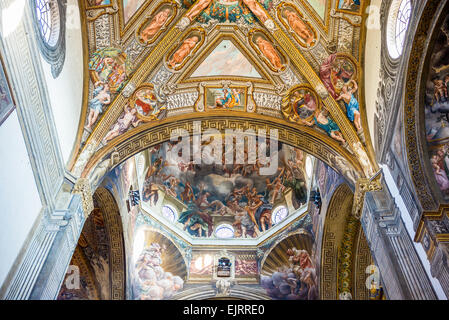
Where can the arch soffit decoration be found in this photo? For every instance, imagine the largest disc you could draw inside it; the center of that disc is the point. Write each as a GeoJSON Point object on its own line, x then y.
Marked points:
{"type": "Point", "coordinates": [109, 212]}
{"type": "Point", "coordinates": [113, 224]}
{"type": "Point", "coordinates": [338, 233]}
{"type": "Point", "coordinates": [169, 40]}
{"type": "Point", "coordinates": [428, 194]}
{"type": "Point", "coordinates": [150, 135]}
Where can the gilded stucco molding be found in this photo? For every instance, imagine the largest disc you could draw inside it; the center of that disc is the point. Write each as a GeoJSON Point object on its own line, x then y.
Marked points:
{"type": "Point", "coordinates": [362, 187]}
{"type": "Point", "coordinates": [82, 188]}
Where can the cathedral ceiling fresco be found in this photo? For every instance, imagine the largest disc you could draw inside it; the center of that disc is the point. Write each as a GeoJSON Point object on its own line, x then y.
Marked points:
{"type": "Point", "coordinates": [158, 68]}
{"type": "Point", "coordinates": [151, 66]}
{"type": "Point", "coordinates": [174, 211]}
{"type": "Point", "coordinates": [155, 68]}
{"type": "Point", "coordinates": [236, 195]}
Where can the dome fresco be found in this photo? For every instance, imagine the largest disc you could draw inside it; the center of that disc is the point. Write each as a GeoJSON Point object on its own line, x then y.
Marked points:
{"type": "Point", "coordinates": [207, 195]}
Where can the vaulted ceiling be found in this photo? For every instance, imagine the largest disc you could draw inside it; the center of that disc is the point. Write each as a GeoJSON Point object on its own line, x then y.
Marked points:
{"type": "Point", "coordinates": [152, 67]}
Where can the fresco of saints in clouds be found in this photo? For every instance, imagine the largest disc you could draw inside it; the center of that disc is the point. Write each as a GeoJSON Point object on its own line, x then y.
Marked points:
{"type": "Point", "coordinates": [236, 193]}
{"type": "Point", "coordinates": [152, 282]}
{"type": "Point", "coordinates": [297, 281]}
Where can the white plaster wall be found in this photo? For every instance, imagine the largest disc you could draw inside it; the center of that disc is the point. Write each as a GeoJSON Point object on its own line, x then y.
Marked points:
{"type": "Point", "coordinates": [19, 198]}
{"type": "Point", "coordinates": [372, 64]}
{"type": "Point", "coordinates": [66, 91]}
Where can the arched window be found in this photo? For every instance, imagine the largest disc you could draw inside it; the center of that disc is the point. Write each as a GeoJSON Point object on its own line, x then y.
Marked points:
{"type": "Point", "coordinates": [397, 25]}
{"type": "Point", "coordinates": [309, 167]}
{"type": "Point", "coordinates": [170, 213]}
{"type": "Point", "coordinates": [48, 27]}
{"type": "Point", "coordinates": [49, 18]}
{"type": "Point", "coordinates": [279, 214]}
{"type": "Point", "coordinates": [224, 231]}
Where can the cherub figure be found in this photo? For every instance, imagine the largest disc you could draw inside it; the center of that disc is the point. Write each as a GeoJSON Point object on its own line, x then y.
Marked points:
{"type": "Point", "coordinates": [102, 97]}
{"type": "Point", "coordinates": [277, 187]}
{"type": "Point", "coordinates": [440, 90]}
{"type": "Point", "coordinates": [351, 104]}
{"type": "Point", "coordinates": [173, 185]}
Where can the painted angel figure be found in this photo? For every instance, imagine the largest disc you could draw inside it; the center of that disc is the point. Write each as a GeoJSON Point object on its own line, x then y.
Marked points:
{"type": "Point", "coordinates": [102, 97]}
{"type": "Point", "coordinates": [440, 89]}
{"type": "Point", "coordinates": [351, 104]}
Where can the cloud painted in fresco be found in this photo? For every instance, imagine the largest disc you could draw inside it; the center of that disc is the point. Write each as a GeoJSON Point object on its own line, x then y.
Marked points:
{"type": "Point", "coordinates": [226, 60]}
